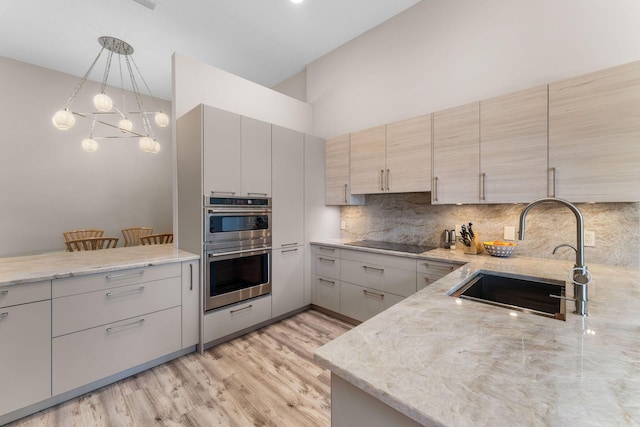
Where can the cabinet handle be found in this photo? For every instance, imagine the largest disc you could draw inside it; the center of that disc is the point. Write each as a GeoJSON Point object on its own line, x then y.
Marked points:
{"type": "Point", "coordinates": [233, 193]}
{"type": "Point", "coordinates": [130, 291]}
{"type": "Point", "coordinates": [366, 267]}
{"type": "Point", "coordinates": [552, 173]}
{"type": "Point", "coordinates": [483, 184]}
{"type": "Point", "coordinates": [123, 275]}
{"type": "Point", "coordinates": [382, 179]}
{"type": "Point", "coordinates": [136, 323]}
{"type": "Point", "coordinates": [375, 294]}
{"type": "Point", "coordinates": [332, 250]}
{"type": "Point", "coordinates": [5, 314]}
{"type": "Point", "coordinates": [290, 244]}
{"type": "Point", "coordinates": [327, 259]}
{"type": "Point", "coordinates": [190, 276]}
{"type": "Point", "coordinates": [4, 292]}
{"type": "Point", "coordinates": [331, 282]}
{"type": "Point", "coordinates": [258, 194]}
{"type": "Point", "coordinates": [241, 309]}
{"type": "Point", "coordinates": [284, 251]}
{"type": "Point", "coordinates": [387, 179]}
{"type": "Point", "coordinates": [435, 188]}
{"type": "Point", "coordinates": [345, 194]}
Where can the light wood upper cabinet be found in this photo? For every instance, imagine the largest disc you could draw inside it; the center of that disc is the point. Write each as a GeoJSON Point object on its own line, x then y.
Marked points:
{"type": "Point", "coordinates": [409, 155]}
{"type": "Point", "coordinates": [368, 165]}
{"type": "Point", "coordinates": [337, 185]}
{"type": "Point", "coordinates": [456, 155]}
{"type": "Point", "coordinates": [594, 129]}
{"type": "Point", "coordinates": [513, 147]}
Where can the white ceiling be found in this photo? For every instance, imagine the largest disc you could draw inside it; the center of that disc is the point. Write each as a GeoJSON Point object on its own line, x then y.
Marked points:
{"type": "Point", "coordinates": [265, 41]}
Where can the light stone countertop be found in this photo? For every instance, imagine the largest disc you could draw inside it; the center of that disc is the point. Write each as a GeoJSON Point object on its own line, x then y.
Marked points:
{"type": "Point", "coordinates": [26, 269]}
{"type": "Point", "coordinates": [444, 361]}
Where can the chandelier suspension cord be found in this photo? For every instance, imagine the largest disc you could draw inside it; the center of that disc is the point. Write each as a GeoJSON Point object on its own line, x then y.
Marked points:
{"type": "Point", "coordinates": [105, 77]}
{"type": "Point", "coordinates": [155, 101]}
{"type": "Point", "coordinates": [123, 113]}
{"type": "Point", "coordinates": [81, 82]}
{"type": "Point", "coordinates": [145, 119]}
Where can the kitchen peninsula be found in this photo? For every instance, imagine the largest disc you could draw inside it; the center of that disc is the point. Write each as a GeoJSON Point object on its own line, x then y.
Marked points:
{"type": "Point", "coordinates": [432, 359]}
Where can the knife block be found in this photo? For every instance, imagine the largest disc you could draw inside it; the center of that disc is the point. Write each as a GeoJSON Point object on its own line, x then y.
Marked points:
{"type": "Point", "coordinates": [476, 246]}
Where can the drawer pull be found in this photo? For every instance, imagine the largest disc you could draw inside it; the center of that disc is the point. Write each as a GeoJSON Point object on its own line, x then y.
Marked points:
{"type": "Point", "coordinates": [290, 244]}
{"type": "Point", "coordinates": [284, 251]}
{"type": "Point", "coordinates": [327, 249]}
{"type": "Point", "coordinates": [114, 328]}
{"type": "Point", "coordinates": [4, 292]}
{"type": "Point", "coordinates": [374, 294]}
{"type": "Point", "coordinates": [366, 267]}
{"type": "Point", "coordinates": [331, 282]}
{"type": "Point", "coordinates": [5, 314]}
{"type": "Point", "coordinates": [327, 259]}
{"type": "Point", "coordinates": [257, 194]}
{"type": "Point", "coordinates": [121, 276]}
{"type": "Point", "coordinates": [130, 291]}
{"type": "Point", "coordinates": [241, 309]}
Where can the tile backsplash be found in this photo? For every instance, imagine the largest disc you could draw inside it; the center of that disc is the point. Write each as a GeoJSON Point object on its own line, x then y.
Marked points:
{"type": "Point", "coordinates": [411, 218]}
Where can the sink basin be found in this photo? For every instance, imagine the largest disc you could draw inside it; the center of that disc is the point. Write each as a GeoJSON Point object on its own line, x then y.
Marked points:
{"type": "Point", "coordinates": [531, 295]}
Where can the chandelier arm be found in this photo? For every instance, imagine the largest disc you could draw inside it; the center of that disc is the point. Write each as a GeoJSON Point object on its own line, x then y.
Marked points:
{"type": "Point", "coordinates": [78, 87]}
{"type": "Point", "coordinates": [96, 120]}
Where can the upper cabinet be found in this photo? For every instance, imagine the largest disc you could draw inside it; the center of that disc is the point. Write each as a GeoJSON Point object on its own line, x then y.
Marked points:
{"type": "Point", "coordinates": [395, 158]}
{"type": "Point", "coordinates": [336, 165]}
{"type": "Point", "coordinates": [255, 143]}
{"type": "Point", "coordinates": [456, 155]}
{"type": "Point", "coordinates": [513, 147]}
{"type": "Point", "coordinates": [594, 128]}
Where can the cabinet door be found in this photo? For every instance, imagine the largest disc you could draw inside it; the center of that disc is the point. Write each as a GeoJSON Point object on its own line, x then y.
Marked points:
{"type": "Point", "coordinates": [190, 303]}
{"type": "Point", "coordinates": [256, 157]}
{"type": "Point", "coordinates": [336, 167]}
{"type": "Point", "coordinates": [25, 358]}
{"type": "Point", "coordinates": [326, 293]}
{"type": "Point", "coordinates": [409, 155]}
{"type": "Point", "coordinates": [288, 187]}
{"type": "Point", "coordinates": [287, 292]}
{"type": "Point", "coordinates": [237, 317]}
{"type": "Point", "coordinates": [594, 128]}
{"type": "Point", "coordinates": [456, 155]}
{"type": "Point", "coordinates": [513, 147]}
{"type": "Point", "coordinates": [368, 166]}
{"type": "Point", "coordinates": [221, 152]}
{"type": "Point", "coordinates": [362, 303]}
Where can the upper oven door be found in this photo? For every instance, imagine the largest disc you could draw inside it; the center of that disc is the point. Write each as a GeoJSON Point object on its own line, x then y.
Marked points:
{"type": "Point", "coordinates": [235, 225]}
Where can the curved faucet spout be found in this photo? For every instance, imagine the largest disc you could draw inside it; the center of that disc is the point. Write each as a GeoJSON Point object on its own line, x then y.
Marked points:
{"type": "Point", "coordinates": [580, 273]}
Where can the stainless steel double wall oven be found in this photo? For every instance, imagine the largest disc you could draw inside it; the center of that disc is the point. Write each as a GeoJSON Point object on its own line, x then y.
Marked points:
{"type": "Point", "coordinates": [237, 242]}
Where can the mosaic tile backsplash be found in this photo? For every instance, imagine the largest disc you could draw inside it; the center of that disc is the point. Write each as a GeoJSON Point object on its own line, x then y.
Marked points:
{"type": "Point", "coordinates": [410, 218]}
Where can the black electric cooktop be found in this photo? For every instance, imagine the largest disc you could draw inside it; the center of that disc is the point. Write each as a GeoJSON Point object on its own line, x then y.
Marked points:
{"type": "Point", "coordinates": [390, 246]}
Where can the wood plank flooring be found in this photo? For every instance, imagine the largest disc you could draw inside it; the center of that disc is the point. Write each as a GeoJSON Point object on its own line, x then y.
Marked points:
{"type": "Point", "coordinates": [264, 378]}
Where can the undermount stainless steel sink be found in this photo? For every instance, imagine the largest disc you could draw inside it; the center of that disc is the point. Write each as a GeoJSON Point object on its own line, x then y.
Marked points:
{"type": "Point", "coordinates": [544, 297]}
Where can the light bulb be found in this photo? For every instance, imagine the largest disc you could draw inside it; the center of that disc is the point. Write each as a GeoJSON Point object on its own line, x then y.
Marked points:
{"type": "Point", "coordinates": [125, 124]}
{"type": "Point", "coordinates": [63, 120]}
{"type": "Point", "coordinates": [156, 148]}
{"type": "Point", "coordinates": [296, 1]}
{"type": "Point", "coordinates": [162, 120]}
{"type": "Point", "coordinates": [147, 144]}
{"type": "Point", "coordinates": [102, 102]}
{"type": "Point", "coordinates": [89, 145]}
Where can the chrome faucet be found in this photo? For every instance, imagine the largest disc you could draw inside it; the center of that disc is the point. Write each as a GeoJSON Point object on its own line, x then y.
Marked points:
{"type": "Point", "coordinates": [581, 277]}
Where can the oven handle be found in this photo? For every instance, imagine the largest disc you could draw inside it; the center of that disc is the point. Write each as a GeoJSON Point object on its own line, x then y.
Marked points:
{"type": "Point", "coordinates": [262, 249]}
{"type": "Point", "coordinates": [253, 210]}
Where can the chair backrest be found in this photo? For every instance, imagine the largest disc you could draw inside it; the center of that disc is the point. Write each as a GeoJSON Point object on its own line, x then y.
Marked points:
{"type": "Point", "coordinates": [157, 239]}
{"type": "Point", "coordinates": [132, 235]}
{"type": "Point", "coordinates": [82, 234]}
{"type": "Point", "coordinates": [91, 244]}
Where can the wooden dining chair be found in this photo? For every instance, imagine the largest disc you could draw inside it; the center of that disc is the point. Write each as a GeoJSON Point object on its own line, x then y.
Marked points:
{"type": "Point", "coordinates": [132, 235]}
{"type": "Point", "coordinates": [91, 244]}
{"type": "Point", "coordinates": [82, 234]}
{"type": "Point", "coordinates": [157, 239]}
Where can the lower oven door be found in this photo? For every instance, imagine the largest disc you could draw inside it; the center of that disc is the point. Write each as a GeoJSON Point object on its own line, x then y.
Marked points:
{"type": "Point", "coordinates": [236, 276]}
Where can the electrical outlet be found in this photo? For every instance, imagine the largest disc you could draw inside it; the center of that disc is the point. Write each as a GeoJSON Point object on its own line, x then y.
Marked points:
{"type": "Point", "coordinates": [589, 238]}
{"type": "Point", "coordinates": [509, 233]}
{"type": "Point", "coordinates": [343, 224]}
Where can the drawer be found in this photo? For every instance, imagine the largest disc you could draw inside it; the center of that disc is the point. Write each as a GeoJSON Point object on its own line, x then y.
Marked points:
{"type": "Point", "coordinates": [432, 271]}
{"type": "Point", "coordinates": [327, 266]}
{"type": "Point", "coordinates": [25, 293]}
{"type": "Point", "coordinates": [77, 312]}
{"type": "Point", "coordinates": [227, 320]}
{"type": "Point", "coordinates": [325, 250]}
{"type": "Point", "coordinates": [362, 303]}
{"type": "Point", "coordinates": [380, 259]}
{"type": "Point", "coordinates": [95, 282]}
{"type": "Point", "coordinates": [379, 277]}
{"type": "Point", "coordinates": [326, 293]}
{"type": "Point", "coordinates": [93, 354]}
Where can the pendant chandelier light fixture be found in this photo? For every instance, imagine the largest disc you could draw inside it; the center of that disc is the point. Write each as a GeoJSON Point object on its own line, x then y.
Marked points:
{"type": "Point", "coordinates": [65, 118]}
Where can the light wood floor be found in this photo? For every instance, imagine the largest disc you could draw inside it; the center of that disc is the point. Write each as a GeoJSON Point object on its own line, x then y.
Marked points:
{"type": "Point", "coordinates": [265, 378]}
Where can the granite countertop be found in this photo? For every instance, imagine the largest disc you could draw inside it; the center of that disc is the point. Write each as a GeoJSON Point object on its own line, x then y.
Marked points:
{"type": "Point", "coordinates": [25, 269]}
{"type": "Point", "coordinates": [444, 361]}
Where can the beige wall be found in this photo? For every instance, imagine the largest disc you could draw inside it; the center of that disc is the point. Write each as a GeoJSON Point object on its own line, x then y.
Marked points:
{"type": "Point", "coordinates": [49, 184]}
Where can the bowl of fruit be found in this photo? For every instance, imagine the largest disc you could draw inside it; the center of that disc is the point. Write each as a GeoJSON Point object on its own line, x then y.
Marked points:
{"type": "Point", "coordinates": [499, 248]}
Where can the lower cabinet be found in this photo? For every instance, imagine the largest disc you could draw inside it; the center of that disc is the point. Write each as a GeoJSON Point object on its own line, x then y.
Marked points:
{"type": "Point", "coordinates": [287, 292]}
{"type": "Point", "coordinates": [362, 303]}
{"type": "Point", "coordinates": [326, 292]}
{"type": "Point", "coordinates": [190, 303]}
{"type": "Point", "coordinates": [234, 318]}
{"type": "Point", "coordinates": [25, 354]}
{"type": "Point", "coordinates": [429, 271]}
